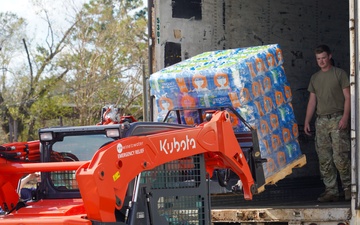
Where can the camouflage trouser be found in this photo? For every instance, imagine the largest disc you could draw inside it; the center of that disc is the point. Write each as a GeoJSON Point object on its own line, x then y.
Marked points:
{"type": "Point", "coordinates": [333, 149]}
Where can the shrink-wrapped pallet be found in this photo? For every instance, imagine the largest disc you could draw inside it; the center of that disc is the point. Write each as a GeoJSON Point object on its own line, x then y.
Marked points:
{"type": "Point", "coordinates": [251, 80]}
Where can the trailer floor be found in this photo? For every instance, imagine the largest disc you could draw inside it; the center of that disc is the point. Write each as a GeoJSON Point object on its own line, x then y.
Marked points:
{"type": "Point", "coordinates": [294, 193]}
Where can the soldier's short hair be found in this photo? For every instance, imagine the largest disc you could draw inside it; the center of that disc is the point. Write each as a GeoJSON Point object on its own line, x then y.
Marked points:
{"type": "Point", "coordinates": [322, 48]}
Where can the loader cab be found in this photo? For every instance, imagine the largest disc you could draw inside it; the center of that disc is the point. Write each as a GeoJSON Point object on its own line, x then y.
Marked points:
{"type": "Point", "coordinates": [68, 144]}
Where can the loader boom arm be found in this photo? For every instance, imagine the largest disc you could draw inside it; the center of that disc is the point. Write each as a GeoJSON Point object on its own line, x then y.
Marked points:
{"type": "Point", "coordinates": [104, 180]}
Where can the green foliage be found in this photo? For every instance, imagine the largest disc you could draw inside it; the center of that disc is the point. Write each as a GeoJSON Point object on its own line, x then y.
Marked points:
{"type": "Point", "coordinates": [109, 48]}
{"type": "Point", "coordinates": [25, 80]}
{"type": "Point", "coordinates": [99, 60]}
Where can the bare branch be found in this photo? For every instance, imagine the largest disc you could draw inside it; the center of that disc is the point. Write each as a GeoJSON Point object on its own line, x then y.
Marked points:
{"type": "Point", "coordinates": [58, 49]}
{"type": "Point", "coordinates": [50, 30]}
{"type": "Point", "coordinates": [31, 70]}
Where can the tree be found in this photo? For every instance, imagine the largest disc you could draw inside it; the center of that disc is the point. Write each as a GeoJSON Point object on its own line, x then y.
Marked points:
{"type": "Point", "coordinates": [98, 60]}
{"type": "Point", "coordinates": [12, 27]}
{"type": "Point", "coordinates": [107, 54]}
{"type": "Point", "coordinates": [31, 81]}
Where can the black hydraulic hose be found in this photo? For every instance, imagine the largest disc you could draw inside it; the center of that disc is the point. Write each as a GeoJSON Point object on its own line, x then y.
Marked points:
{"type": "Point", "coordinates": [133, 207]}
{"type": "Point", "coordinates": [148, 195]}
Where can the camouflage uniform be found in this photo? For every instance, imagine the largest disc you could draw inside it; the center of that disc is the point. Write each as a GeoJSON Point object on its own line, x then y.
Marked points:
{"type": "Point", "coordinates": [329, 95]}
{"type": "Point", "coordinates": [333, 149]}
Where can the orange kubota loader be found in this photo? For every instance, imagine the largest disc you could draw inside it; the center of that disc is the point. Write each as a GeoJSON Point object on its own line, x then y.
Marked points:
{"type": "Point", "coordinates": [122, 173]}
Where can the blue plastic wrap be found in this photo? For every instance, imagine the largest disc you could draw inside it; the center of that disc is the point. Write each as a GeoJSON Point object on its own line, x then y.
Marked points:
{"type": "Point", "coordinates": [251, 80]}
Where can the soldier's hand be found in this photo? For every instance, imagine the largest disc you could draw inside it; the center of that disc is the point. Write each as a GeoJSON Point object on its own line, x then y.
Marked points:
{"type": "Point", "coordinates": [307, 129]}
{"type": "Point", "coordinates": [343, 123]}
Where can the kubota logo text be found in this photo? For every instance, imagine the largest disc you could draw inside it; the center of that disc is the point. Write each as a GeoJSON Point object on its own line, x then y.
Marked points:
{"type": "Point", "coordinates": [175, 146]}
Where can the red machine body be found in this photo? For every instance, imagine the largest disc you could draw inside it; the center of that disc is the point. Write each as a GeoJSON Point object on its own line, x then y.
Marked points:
{"type": "Point", "coordinates": [103, 181]}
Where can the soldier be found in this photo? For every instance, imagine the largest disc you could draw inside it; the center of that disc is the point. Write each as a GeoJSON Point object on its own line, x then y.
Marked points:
{"type": "Point", "coordinates": [330, 96]}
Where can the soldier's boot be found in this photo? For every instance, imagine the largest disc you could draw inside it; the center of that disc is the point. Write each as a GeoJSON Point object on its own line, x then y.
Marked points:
{"type": "Point", "coordinates": [347, 193]}
{"type": "Point", "coordinates": [328, 197]}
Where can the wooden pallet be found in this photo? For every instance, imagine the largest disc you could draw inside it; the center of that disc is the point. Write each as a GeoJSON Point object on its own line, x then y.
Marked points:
{"type": "Point", "coordinates": [287, 170]}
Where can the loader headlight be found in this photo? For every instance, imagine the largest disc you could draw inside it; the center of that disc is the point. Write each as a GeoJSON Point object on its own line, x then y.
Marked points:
{"type": "Point", "coordinates": [112, 133]}
{"type": "Point", "coordinates": [48, 136]}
